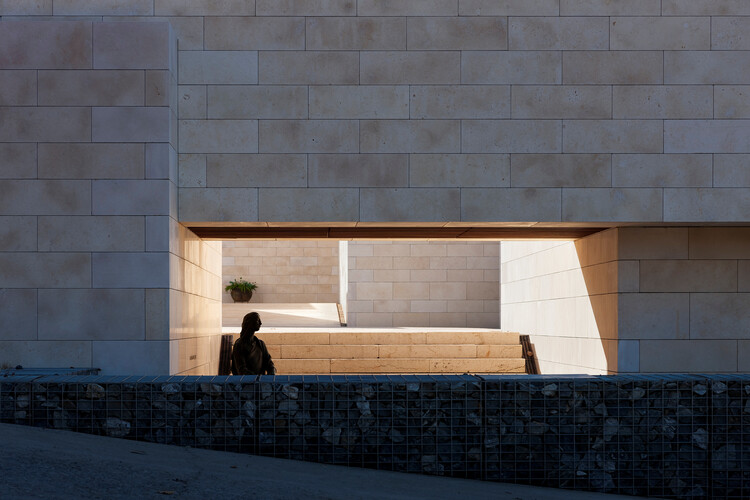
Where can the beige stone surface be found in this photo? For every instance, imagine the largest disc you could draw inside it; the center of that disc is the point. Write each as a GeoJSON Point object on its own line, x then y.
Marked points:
{"type": "Point", "coordinates": [308, 136]}
{"type": "Point", "coordinates": [508, 7]}
{"type": "Point", "coordinates": [213, 204]}
{"type": "Point", "coordinates": [718, 315]}
{"type": "Point", "coordinates": [688, 276]}
{"type": "Point", "coordinates": [655, 102]}
{"type": "Point", "coordinates": [719, 242]}
{"type": "Point", "coordinates": [18, 317]}
{"type": "Point", "coordinates": [218, 136]}
{"type": "Point", "coordinates": [257, 101]}
{"type": "Point", "coordinates": [511, 136]}
{"type": "Point", "coordinates": [128, 357]}
{"type": "Point", "coordinates": [130, 197]}
{"type": "Point", "coordinates": [188, 30]}
{"type": "Point", "coordinates": [218, 67]}
{"type": "Point", "coordinates": [305, 8]}
{"type": "Point", "coordinates": [459, 170]}
{"type": "Point", "coordinates": [556, 170]}
{"type": "Point", "coordinates": [705, 356]}
{"type": "Point", "coordinates": [263, 170]}
{"type": "Point", "coordinates": [558, 33]}
{"type": "Point", "coordinates": [410, 204]}
{"type": "Point", "coordinates": [63, 45]}
{"type": "Point", "coordinates": [731, 101]}
{"type": "Point", "coordinates": [45, 197]}
{"type": "Point", "coordinates": [706, 136]}
{"type": "Point", "coordinates": [615, 67]}
{"type": "Point", "coordinates": [130, 270]}
{"type": "Point", "coordinates": [137, 45]}
{"type": "Point", "coordinates": [157, 88]}
{"type": "Point", "coordinates": [487, 204]}
{"type": "Point", "coordinates": [705, 7]}
{"type": "Point", "coordinates": [103, 7]}
{"type": "Point", "coordinates": [360, 101]}
{"type": "Point", "coordinates": [161, 161]}
{"type": "Point", "coordinates": [460, 101]}
{"type": "Point", "coordinates": [410, 67]}
{"type": "Point", "coordinates": [308, 68]}
{"type": "Point", "coordinates": [19, 161]}
{"type": "Point", "coordinates": [204, 7]}
{"type": "Point", "coordinates": [511, 67]}
{"type": "Point", "coordinates": [609, 8]}
{"type": "Point", "coordinates": [26, 8]}
{"type": "Point", "coordinates": [653, 243]}
{"type": "Point", "coordinates": [660, 33]}
{"type": "Point", "coordinates": [48, 124]}
{"type": "Point", "coordinates": [410, 136]}
{"type": "Point", "coordinates": [613, 136]}
{"type": "Point", "coordinates": [355, 33]}
{"type": "Point", "coordinates": [120, 310]}
{"type": "Point", "coordinates": [706, 67]}
{"type": "Point", "coordinates": [192, 170]}
{"type": "Point", "coordinates": [457, 33]}
{"type": "Point", "coordinates": [706, 205]}
{"type": "Point", "coordinates": [45, 270]}
{"type": "Point", "coordinates": [654, 316]}
{"type": "Point", "coordinates": [130, 124]}
{"type": "Point", "coordinates": [730, 33]}
{"type": "Point", "coordinates": [254, 33]}
{"type": "Point", "coordinates": [357, 170]}
{"type": "Point", "coordinates": [544, 101]}
{"type": "Point", "coordinates": [19, 88]}
{"type": "Point", "coordinates": [91, 161]}
{"type": "Point", "coordinates": [18, 234]}
{"type": "Point", "coordinates": [192, 102]}
{"type": "Point", "coordinates": [411, 8]}
{"type": "Point", "coordinates": [45, 353]}
{"type": "Point", "coordinates": [598, 204]}
{"type": "Point", "coordinates": [317, 204]}
{"type": "Point", "coordinates": [85, 233]}
{"type": "Point", "coordinates": [670, 170]}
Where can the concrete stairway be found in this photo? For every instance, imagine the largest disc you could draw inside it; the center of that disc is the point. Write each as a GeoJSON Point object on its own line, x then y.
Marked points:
{"type": "Point", "coordinates": [360, 351]}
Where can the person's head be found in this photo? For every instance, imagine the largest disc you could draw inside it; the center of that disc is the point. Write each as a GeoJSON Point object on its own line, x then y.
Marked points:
{"type": "Point", "coordinates": [251, 322]}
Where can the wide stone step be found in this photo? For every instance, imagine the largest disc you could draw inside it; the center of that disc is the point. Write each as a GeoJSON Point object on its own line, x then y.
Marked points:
{"type": "Point", "coordinates": [390, 338]}
{"type": "Point", "coordinates": [342, 351]}
{"type": "Point", "coordinates": [399, 365]}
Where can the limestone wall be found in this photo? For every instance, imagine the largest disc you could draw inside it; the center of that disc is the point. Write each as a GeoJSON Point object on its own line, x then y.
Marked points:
{"type": "Point", "coordinates": [451, 110]}
{"type": "Point", "coordinates": [409, 283]}
{"type": "Point", "coordinates": [564, 294]}
{"type": "Point", "coordinates": [95, 270]}
{"type": "Point", "coordinates": [683, 304]}
{"type": "Point", "coordinates": [285, 271]}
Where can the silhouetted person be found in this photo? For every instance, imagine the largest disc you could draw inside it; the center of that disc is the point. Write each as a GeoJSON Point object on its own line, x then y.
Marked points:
{"type": "Point", "coordinates": [249, 354]}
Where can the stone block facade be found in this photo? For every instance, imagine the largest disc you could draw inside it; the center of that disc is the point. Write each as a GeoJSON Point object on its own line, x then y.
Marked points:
{"type": "Point", "coordinates": [131, 123]}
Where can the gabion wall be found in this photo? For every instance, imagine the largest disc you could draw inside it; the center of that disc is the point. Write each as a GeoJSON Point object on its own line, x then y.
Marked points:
{"type": "Point", "coordinates": [666, 436]}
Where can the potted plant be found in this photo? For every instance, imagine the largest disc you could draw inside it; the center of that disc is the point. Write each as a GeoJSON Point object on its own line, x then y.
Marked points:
{"type": "Point", "coordinates": [241, 290]}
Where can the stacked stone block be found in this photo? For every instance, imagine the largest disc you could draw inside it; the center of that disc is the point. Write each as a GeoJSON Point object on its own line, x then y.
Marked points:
{"type": "Point", "coordinates": [285, 271]}
{"type": "Point", "coordinates": [410, 283]}
{"type": "Point", "coordinates": [96, 270]}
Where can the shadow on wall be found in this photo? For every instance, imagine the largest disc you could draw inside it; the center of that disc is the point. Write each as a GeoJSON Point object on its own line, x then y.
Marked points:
{"type": "Point", "coordinates": [597, 257]}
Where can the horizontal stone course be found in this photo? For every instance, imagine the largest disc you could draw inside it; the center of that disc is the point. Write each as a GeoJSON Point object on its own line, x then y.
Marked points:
{"type": "Point", "coordinates": [254, 33]}
{"type": "Point", "coordinates": [355, 33]}
{"type": "Point", "coordinates": [309, 68]}
{"type": "Point", "coordinates": [558, 33]}
{"type": "Point", "coordinates": [63, 45]}
{"type": "Point", "coordinates": [19, 88]}
{"type": "Point", "coordinates": [457, 33]}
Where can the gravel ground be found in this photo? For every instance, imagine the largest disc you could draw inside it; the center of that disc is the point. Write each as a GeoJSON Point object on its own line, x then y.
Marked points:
{"type": "Point", "coordinates": [51, 464]}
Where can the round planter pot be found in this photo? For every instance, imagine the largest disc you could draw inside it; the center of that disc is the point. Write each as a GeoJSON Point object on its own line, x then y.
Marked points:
{"type": "Point", "coordinates": [239, 296]}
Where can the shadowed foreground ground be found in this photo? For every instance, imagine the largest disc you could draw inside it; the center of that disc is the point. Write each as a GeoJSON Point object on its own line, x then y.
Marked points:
{"type": "Point", "coordinates": [46, 463]}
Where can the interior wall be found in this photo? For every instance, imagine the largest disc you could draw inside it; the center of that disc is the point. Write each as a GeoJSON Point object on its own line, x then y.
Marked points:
{"type": "Point", "coordinates": [564, 295]}
{"type": "Point", "coordinates": [285, 271]}
{"type": "Point", "coordinates": [409, 283]}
